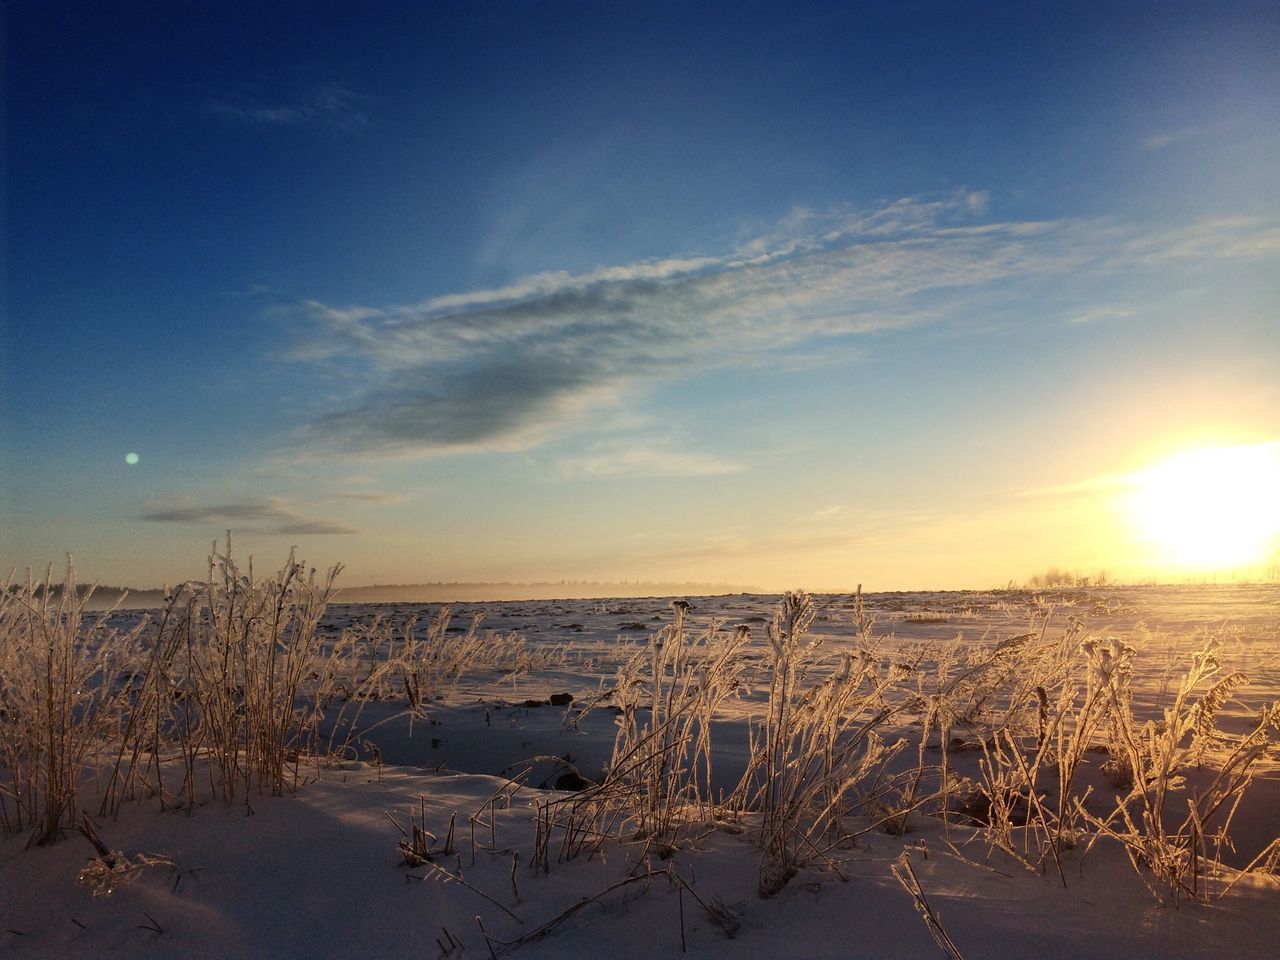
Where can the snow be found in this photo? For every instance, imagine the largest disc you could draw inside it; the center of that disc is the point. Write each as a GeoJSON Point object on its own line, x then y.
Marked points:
{"type": "Point", "coordinates": [318, 873]}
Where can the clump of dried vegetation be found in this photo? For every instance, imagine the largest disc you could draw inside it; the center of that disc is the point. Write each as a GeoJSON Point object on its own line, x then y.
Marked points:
{"type": "Point", "coordinates": [65, 681]}
{"type": "Point", "coordinates": [1047, 715]}
{"type": "Point", "coordinates": [228, 692]}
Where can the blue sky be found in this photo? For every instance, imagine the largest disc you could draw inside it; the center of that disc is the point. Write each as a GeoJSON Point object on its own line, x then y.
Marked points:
{"type": "Point", "coordinates": [773, 294]}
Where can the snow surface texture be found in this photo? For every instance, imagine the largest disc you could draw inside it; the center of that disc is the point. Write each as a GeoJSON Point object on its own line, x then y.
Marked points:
{"type": "Point", "coordinates": [319, 873]}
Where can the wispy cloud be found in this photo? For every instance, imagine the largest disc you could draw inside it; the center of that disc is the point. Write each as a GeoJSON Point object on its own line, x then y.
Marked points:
{"type": "Point", "coordinates": [328, 104]}
{"type": "Point", "coordinates": [505, 368]}
{"type": "Point", "coordinates": [305, 528]}
{"type": "Point", "coordinates": [841, 528]}
{"type": "Point", "coordinates": [254, 514]}
{"type": "Point", "coordinates": [370, 497]}
{"type": "Point", "coordinates": [1099, 315]}
{"type": "Point", "coordinates": [1165, 138]}
{"type": "Point", "coordinates": [1091, 485]}
{"type": "Point", "coordinates": [1220, 238]}
{"type": "Point", "coordinates": [835, 512]}
{"type": "Point", "coordinates": [625, 459]}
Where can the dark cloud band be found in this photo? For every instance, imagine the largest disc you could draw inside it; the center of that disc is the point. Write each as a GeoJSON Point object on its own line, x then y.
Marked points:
{"type": "Point", "coordinates": [263, 515]}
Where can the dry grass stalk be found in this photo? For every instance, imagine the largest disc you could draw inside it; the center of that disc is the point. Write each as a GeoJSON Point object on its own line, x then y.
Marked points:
{"type": "Point", "coordinates": [545, 929]}
{"type": "Point", "coordinates": [658, 780]}
{"type": "Point", "coordinates": [905, 874]}
{"type": "Point", "coordinates": [819, 743]}
{"type": "Point", "coordinates": [110, 868]}
{"type": "Point", "coordinates": [1178, 857]}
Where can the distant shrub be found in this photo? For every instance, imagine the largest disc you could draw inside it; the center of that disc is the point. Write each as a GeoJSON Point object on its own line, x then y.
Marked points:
{"type": "Point", "coordinates": [1054, 577]}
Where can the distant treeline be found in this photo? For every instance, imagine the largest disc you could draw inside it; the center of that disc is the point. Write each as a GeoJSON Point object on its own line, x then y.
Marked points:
{"type": "Point", "coordinates": [541, 590]}
{"type": "Point", "coordinates": [1055, 577]}
{"type": "Point", "coordinates": [107, 596]}
{"type": "Point", "coordinates": [57, 589]}
{"type": "Point", "coordinates": [102, 596]}
{"type": "Point", "coordinates": [83, 590]}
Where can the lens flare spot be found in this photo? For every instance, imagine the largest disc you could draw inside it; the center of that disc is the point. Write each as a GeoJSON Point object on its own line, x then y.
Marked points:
{"type": "Point", "coordinates": [131, 458]}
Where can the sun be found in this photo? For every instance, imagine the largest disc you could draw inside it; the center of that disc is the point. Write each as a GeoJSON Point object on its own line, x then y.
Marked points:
{"type": "Point", "coordinates": [1211, 509]}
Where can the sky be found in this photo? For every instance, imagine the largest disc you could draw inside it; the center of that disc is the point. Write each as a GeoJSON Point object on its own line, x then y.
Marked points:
{"type": "Point", "coordinates": [908, 294]}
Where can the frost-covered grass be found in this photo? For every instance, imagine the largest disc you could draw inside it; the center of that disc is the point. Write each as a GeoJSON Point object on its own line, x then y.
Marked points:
{"type": "Point", "coordinates": [227, 692]}
{"type": "Point", "coordinates": [799, 748]}
{"type": "Point", "coordinates": [64, 685]}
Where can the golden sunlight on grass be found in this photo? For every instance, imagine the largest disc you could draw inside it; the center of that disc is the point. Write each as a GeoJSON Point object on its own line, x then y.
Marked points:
{"type": "Point", "coordinates": [1212, 508]}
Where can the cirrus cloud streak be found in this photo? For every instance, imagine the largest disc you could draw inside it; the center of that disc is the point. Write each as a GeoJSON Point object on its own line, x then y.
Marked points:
{"type": "Point", "coordinates": [505, 368]}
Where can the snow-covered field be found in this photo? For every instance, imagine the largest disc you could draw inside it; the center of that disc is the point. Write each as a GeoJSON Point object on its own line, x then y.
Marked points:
{"type": "Point", "coordinates": [319, 872]}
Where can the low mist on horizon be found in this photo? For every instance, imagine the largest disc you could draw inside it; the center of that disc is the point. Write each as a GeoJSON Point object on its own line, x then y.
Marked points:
{"type": "Point", "coordinates": [917, 297]}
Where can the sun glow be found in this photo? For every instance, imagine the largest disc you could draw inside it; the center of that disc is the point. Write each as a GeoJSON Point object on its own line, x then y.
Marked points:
{"type": "Point", "coordinates": [1211, 509]}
